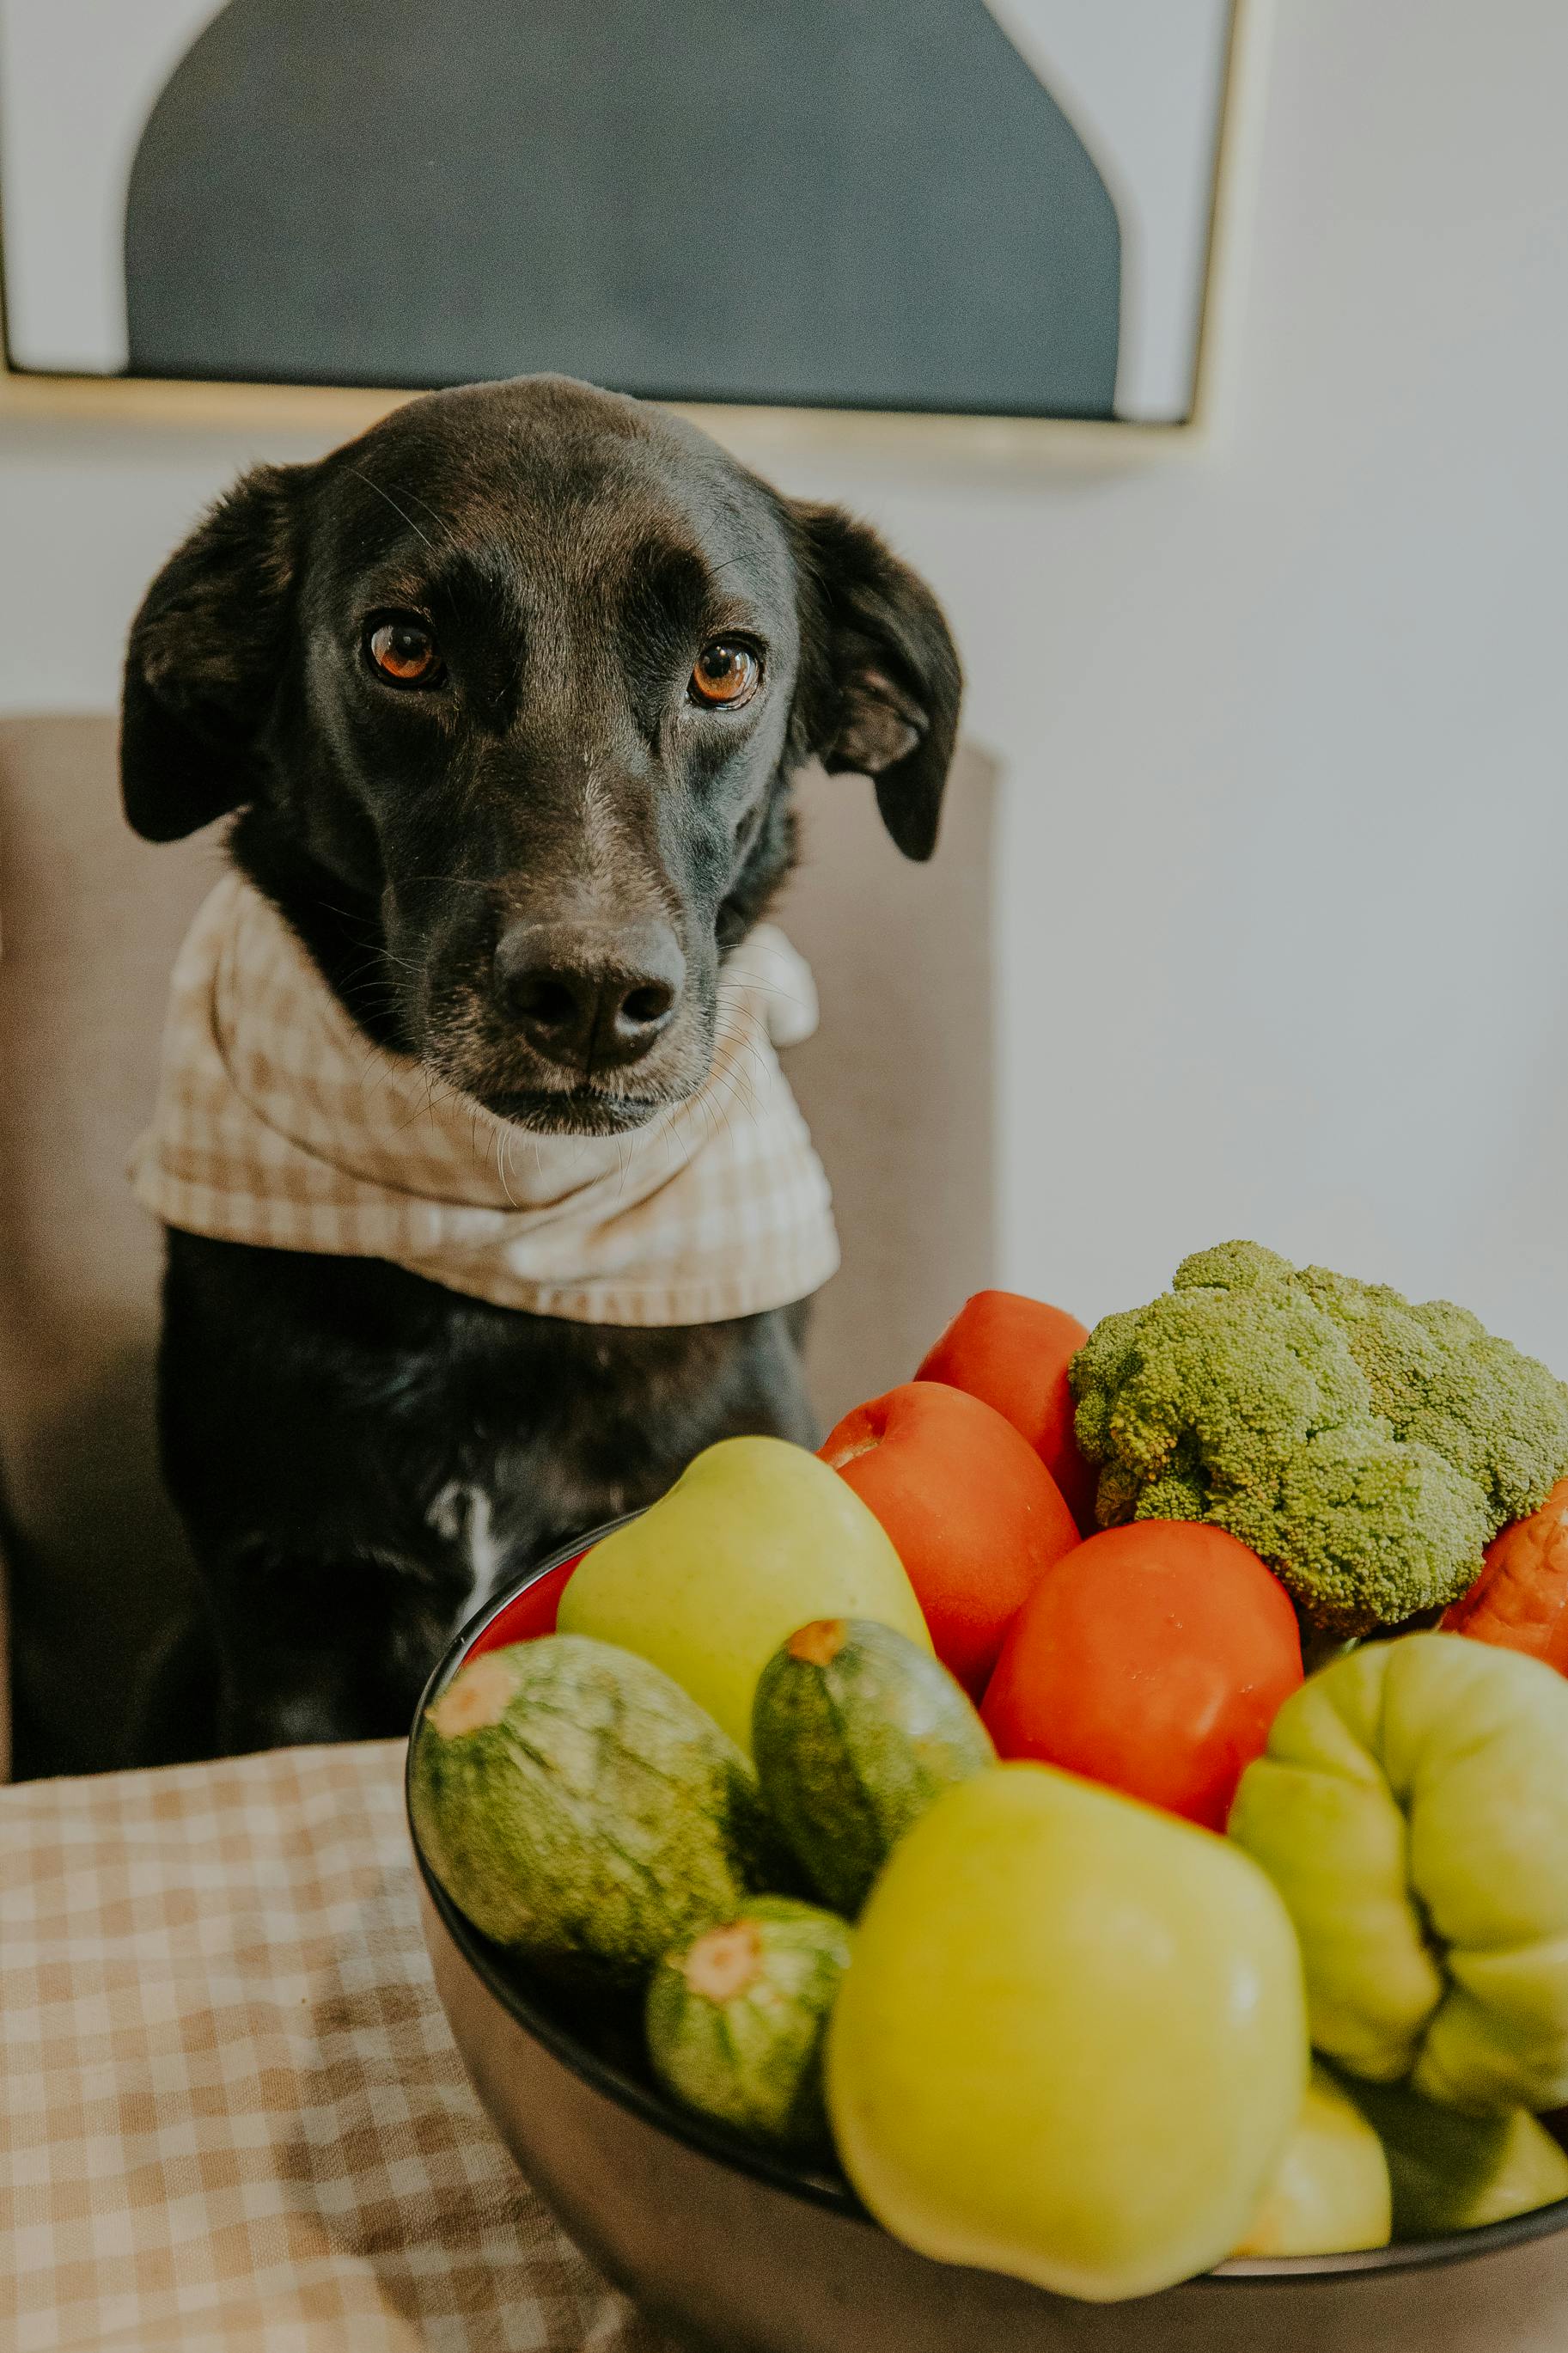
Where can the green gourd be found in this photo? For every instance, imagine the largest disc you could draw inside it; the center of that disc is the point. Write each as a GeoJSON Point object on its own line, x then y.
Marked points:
{"type": "Point", "coordinates": [736, 2020]}
{"type": "Point", "coordinates": [854, 1731]}
{"type": "Point", "coordinates": [1455, 2173]}
{"type": "Point", "coordinates": [583, 1810]}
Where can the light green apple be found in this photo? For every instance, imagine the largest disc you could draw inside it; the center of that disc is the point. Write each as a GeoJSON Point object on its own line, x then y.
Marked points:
{"type": "Point", "coordinates": [1452, 2172]}
{"type": "Point", "coordinates": [1328, 2194]}
{"type": "Point", "coordinates": [1412, 1808]}
{"type": "Point", "coordinates": [755, 1539]}
{"type": "Point", "coordinates": [1072, 2042]}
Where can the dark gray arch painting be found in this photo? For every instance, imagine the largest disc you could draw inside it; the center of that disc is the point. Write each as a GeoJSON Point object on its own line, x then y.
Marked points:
{"type": "Point", "coordinates": [955, 205]}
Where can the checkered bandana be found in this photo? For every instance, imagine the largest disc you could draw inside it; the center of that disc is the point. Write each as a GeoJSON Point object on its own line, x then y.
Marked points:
{"type": "Point", "coordinates": [280, 1123]}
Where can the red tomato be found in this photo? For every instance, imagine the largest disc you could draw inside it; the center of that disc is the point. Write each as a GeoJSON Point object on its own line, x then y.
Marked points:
{"type": "Point", "coordinates": [1154, 1658]}
{"type": "Point", "coordinates": [1014, 1352]}
{"type": "Point", "coordinates": [973, 1513]}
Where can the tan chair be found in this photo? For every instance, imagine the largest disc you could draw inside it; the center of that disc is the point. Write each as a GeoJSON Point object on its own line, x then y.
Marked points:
{"type": "Point", "coordinates": [897, 1087]}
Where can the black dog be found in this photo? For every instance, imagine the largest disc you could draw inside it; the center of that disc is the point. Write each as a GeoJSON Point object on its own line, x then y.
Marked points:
{"type": "Point", "coordinates": [399, 665]}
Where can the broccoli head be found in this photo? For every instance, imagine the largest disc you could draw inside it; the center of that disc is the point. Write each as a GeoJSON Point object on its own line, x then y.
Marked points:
{"type": "Point", "coordinates": [1366, 1448]}
{"type": "Point", "coordinates": [1441, 1378]}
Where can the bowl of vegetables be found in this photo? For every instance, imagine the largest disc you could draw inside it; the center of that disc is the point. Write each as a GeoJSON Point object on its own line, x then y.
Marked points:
{"type": "Point", "coordinates": [1083, 1861]}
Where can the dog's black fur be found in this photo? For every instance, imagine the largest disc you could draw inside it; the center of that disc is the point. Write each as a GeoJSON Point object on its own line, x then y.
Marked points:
{"type": "Point", "coordinates": [359, 1454]}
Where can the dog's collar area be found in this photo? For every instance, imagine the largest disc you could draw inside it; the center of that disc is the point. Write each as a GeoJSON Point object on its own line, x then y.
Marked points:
{"type": "Point", "coordinates": [279, 1123]}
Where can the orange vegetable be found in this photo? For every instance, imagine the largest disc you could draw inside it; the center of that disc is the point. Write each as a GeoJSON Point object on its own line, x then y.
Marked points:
{"type": "Point", "coordinates": [1014, 1352]}
{"type": "Point", "coordinates": [1154, 1658]}
{"type": "Point", "coordinates": [973, 1513]}
{"type": "Point", "coordinates": [1520, 1600]}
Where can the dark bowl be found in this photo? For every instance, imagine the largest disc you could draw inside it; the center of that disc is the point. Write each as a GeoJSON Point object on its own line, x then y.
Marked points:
{"type": "Point", "coordinates": [734, 2251]}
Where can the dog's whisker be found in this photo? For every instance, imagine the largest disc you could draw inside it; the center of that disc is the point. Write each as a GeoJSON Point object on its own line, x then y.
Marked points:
{"type": "Point", "coordinates": [740, 1095]}
{"type": "Point", "coordinates": [424, 537]}
{"type": "Point", "coordinates": [751, 1080]}
{"type": "Point", "coordinates": [435, 513]}
{"type": "Point", "coordinates": [744, 984]}
{"type": "Point", "coordinates": [723, 1110]}
{"type": "Point", "coordinates": [374, 993]}
{"type": "Point", "coordinates": [741, 1080]}
{"type": "Point", "coordinates": [738, 1039]}
{"type": "Point", "coordinates": [502, 1149]}
{"type": "Point", "coordinates": [367, 975]}
{"type": "Point", "coordinates": [730, 1082]}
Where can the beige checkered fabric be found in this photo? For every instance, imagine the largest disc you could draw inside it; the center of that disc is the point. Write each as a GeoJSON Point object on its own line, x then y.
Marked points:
{"type": "Point", "coordinates": [231, 2117]}
{"type": "Point", "coordinates": [278, 1121]}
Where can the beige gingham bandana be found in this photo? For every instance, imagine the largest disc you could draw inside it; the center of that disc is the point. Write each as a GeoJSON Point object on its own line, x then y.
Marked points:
{"type": "Point", "coordinates": [280, 1123]}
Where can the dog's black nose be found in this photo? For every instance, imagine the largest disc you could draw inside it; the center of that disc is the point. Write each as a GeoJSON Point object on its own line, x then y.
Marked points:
{"type": "Point", "coordinates": [586, 995]}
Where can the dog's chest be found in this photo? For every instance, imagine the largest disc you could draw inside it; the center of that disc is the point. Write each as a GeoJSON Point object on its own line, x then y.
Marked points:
{"type": "Point", "coordinates": [463, 1517]}
{"type": "Point", "coordinates": [513, 1487]}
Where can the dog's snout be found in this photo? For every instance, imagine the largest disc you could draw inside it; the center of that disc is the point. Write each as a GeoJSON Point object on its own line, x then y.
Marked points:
{"type": "Point", "coordinates": [590, 997]}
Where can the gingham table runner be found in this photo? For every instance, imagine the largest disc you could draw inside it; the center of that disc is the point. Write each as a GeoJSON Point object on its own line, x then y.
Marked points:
{"type": "Point", "coordinates": [279, 1122]}
{"type": "Point", "coordinates": [232, 2119]}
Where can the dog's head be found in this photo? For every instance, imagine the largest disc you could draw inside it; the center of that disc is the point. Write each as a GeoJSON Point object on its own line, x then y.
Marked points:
{"type": "Point", "coordinates": [511, 692]}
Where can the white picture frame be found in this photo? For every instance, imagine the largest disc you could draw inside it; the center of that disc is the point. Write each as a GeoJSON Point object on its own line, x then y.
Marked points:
{"type": "Point", "coordinates": [339, 411]}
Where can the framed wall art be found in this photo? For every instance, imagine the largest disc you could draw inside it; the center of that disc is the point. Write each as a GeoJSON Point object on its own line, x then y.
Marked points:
{"type": "Point", "coordinates": [1010, 213]}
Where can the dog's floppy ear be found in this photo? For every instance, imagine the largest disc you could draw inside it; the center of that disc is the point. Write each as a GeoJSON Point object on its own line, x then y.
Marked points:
{"type": "Point", "coordinates": [204, 660]}
{"type": "Point", "coordinates": [881, 677]}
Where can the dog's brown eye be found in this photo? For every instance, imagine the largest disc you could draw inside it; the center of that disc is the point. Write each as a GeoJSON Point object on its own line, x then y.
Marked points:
{"type": "Point", "coordinates": [405, 652]}
{"type": "Point", "coordinates": [724, 676]}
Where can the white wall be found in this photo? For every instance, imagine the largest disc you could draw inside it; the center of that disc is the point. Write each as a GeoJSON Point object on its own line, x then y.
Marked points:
{"type": "Point", "coordinates": [1284, 926]}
